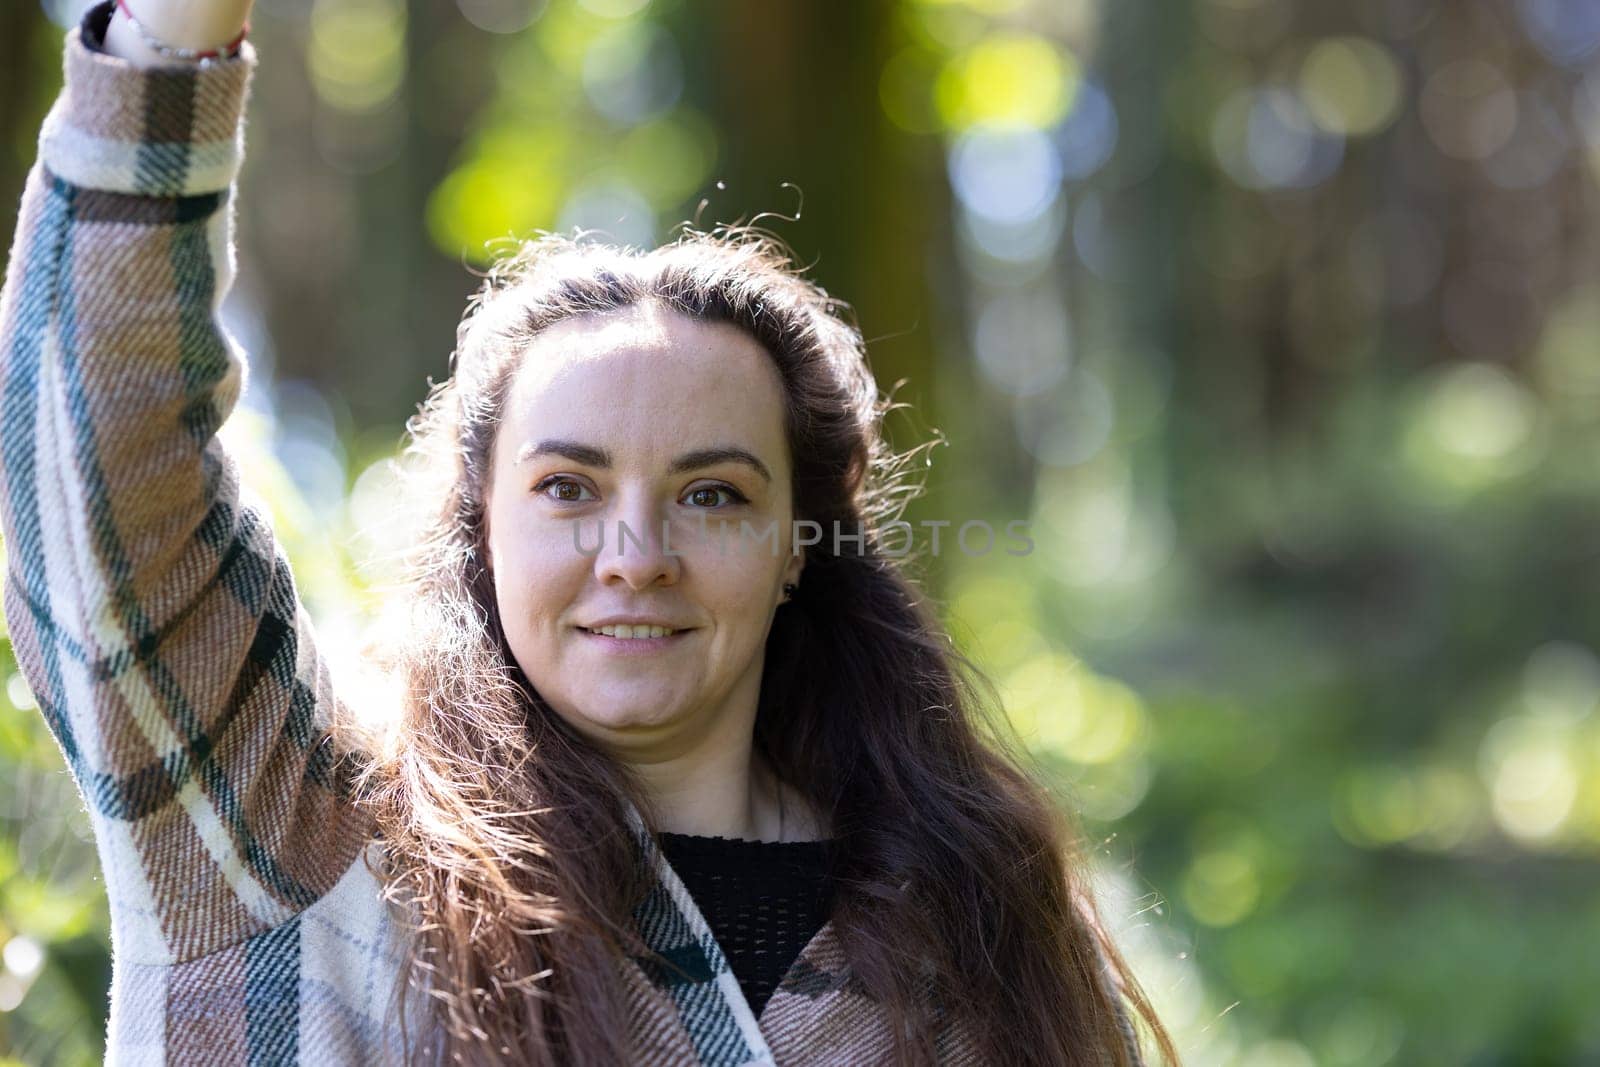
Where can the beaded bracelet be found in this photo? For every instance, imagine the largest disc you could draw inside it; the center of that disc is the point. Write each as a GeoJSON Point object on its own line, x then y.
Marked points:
{"type": "Point", "coordinates": [167, 51]}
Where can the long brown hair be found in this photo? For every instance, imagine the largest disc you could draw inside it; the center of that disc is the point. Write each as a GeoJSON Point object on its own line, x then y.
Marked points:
{"type": "Point", "coordinates": [506, 832]}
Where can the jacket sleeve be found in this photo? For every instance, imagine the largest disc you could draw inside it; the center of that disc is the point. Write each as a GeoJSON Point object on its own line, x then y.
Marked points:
{"type": "Point", "coordinates": [151, 611]}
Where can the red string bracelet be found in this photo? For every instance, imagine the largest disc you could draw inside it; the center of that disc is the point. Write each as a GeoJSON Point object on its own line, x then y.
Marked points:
{"type": "Point", "coordinates": [227, 51]}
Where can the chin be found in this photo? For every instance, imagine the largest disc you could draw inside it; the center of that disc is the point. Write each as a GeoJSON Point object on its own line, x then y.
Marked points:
{"type": "Point", "coordinates": [621, 715]}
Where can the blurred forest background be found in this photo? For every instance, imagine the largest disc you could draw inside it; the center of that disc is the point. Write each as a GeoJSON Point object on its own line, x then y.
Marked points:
{"type": "Point", "coordinates": [1277, 320]}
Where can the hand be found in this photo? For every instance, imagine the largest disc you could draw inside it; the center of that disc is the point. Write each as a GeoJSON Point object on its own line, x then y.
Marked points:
{"type": "Point", "coordinates": [200, 24]}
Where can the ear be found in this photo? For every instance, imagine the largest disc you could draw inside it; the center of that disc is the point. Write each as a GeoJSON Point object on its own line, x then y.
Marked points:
{"type": "Point", "coordinates": [792, 569]}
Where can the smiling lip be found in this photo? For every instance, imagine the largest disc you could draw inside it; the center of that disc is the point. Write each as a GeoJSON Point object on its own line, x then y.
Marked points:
{"type": "Point", "coordinates": [631, 620]}
{"type": "Point", "coordinates": [633, 645]}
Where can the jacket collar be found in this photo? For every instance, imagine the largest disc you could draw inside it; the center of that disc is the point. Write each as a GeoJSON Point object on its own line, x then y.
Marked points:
{"type": "Point", "coordinates": [687, 1007]}
{"type": "Point", "coordinates": [691, 970]}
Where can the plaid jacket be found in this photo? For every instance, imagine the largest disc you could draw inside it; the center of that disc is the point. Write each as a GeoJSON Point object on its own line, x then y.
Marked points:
{"type": "Point", "coordinates": [158, 625]}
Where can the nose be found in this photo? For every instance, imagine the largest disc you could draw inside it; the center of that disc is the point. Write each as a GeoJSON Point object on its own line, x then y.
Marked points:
{"type": "Point", "coordinates": [636, 551]}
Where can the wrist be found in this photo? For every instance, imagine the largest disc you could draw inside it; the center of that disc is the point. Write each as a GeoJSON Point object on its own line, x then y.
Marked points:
{"type": "Point", "coordinates": [184, 30]}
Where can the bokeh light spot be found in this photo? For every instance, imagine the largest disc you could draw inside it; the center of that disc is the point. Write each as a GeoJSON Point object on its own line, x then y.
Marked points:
{"type": "Point", "coordinates": [1351, 86]}
{"type": "Point", "coordinates": [1468, 109]}
{"type": "Point", "coordinates": [1007, 79]}
{"type": "Point", "coordinates": [356, 53]}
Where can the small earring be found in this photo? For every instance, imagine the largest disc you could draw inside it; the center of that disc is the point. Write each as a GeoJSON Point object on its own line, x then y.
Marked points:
{"type": "Point", "coordinates": [789, 590]}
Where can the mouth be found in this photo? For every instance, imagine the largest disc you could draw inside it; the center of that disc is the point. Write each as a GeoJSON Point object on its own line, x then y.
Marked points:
{"type": "Point", "coordinates": [633, 633]}
{"type": "Point", "coordinates": [634, 640]}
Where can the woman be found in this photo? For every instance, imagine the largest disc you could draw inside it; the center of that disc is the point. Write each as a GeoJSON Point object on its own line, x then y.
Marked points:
{"type": "Point", "coordinates": [657, 781]}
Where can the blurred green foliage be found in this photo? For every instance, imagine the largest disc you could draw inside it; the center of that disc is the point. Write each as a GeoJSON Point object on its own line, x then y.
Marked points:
{"type": "Point", "coordinates": [1274, 320]}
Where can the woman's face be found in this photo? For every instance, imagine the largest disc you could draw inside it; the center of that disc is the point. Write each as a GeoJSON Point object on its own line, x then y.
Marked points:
{"type": "Point", "coordinates": [660, 434]}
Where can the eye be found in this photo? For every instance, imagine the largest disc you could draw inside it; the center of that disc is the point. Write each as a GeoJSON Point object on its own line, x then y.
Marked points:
{"type": "Point", "coordinates": [706, 496]}
{"type": "Point", "coordinates": [567, 490]}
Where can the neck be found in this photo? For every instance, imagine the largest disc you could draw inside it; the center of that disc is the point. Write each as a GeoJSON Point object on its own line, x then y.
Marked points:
{"type": "Point", "coordinates": [722, 792]}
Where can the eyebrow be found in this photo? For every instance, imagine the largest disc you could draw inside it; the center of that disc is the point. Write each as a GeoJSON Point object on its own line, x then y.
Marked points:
{"type": "Point", "coordinates": [591, 456]}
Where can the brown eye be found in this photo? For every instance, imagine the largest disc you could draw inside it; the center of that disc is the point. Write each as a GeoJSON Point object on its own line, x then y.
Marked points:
{"type": "Point", "coordinates": [561, 490]}
{"type": "Point", "coordinates": [706, 496]}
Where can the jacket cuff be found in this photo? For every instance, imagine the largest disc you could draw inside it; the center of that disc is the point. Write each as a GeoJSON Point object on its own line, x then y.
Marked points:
{"type": "Point", "coordinates": [150, 131]}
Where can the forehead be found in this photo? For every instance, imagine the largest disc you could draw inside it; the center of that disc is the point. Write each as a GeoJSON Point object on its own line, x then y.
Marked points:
{"type": "Point", "coordinates": [649, 377]}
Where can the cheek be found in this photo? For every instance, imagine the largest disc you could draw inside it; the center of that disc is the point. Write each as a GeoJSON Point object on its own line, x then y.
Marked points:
{"type": "Point", "coordinates": [734, 584]}
{"type": "Point", "coordinates": [537, 575]}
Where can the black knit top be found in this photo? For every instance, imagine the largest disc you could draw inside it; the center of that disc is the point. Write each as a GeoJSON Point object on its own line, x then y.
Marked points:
{"type": "Point", "coordinates": [764, 900]}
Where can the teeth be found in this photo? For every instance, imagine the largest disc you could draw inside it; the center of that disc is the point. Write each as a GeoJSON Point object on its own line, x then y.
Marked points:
{"type": "Point", "coordinates": [632, 632]}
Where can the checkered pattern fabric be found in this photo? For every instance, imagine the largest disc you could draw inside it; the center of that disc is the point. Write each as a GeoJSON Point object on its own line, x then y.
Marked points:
{"type": "Point", "coordinates": [157, 622]}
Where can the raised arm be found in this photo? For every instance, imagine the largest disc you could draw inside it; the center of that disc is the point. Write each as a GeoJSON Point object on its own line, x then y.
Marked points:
{"type": "Point", "coordinates": [150, 610]}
